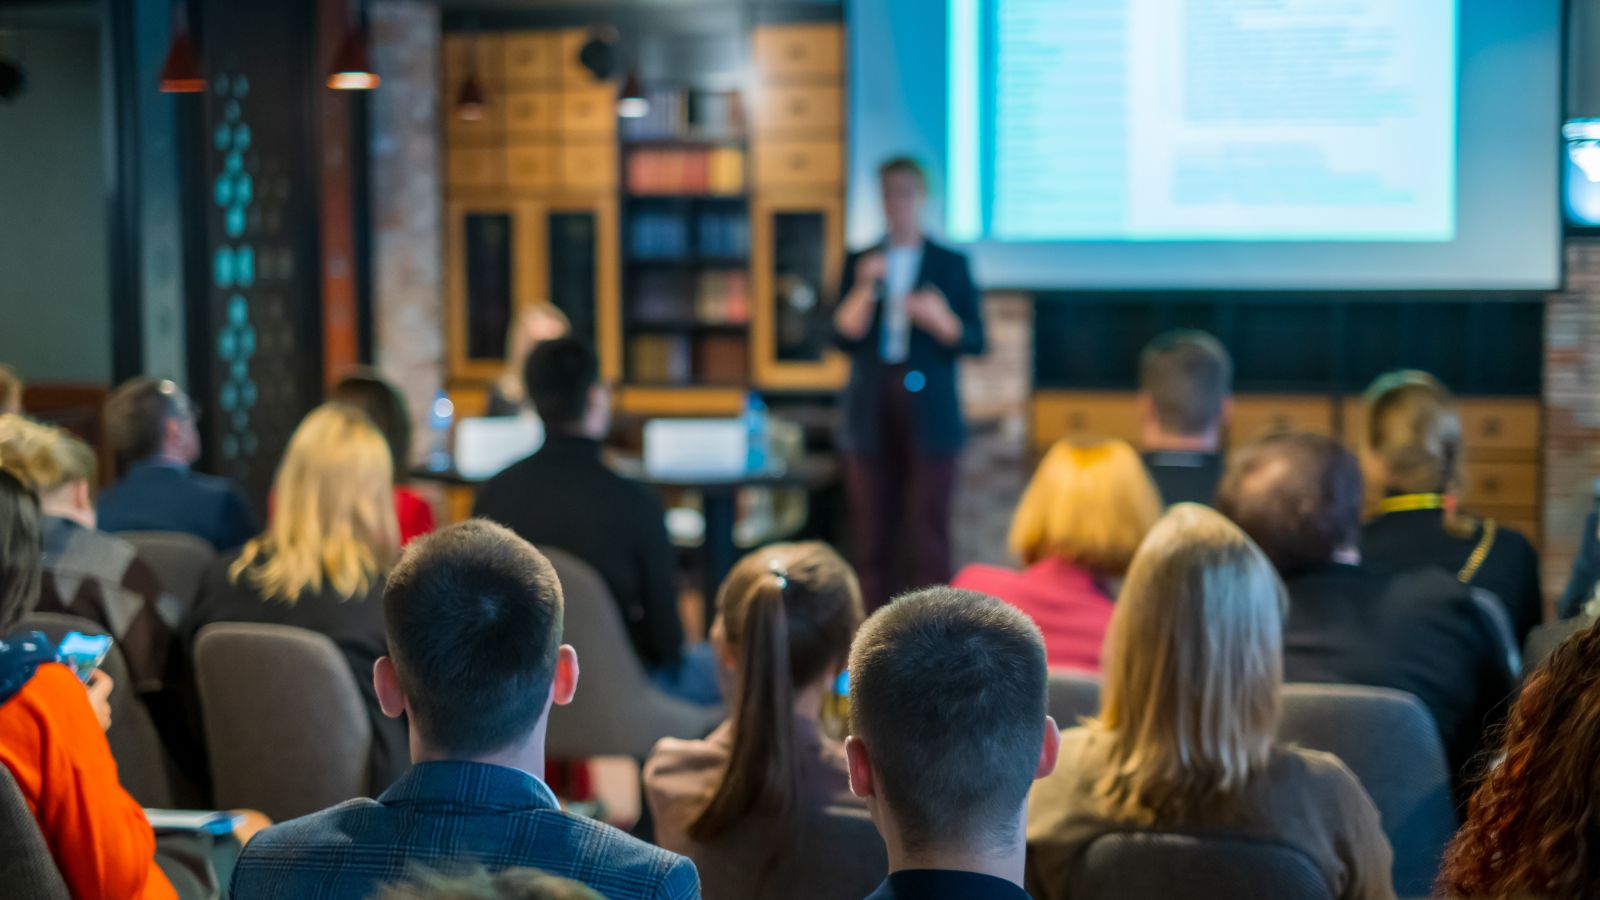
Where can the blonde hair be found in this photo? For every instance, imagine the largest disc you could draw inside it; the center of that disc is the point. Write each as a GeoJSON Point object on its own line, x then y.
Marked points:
{"type": "Point", "coordinates": [10, 391]}
{"type": "Point", "coordinates": [1090, 501]}
{"type": "Point", "coordinates": [1413, 439]}
{"type": "Point", "coordinates": [333, 519]}
{"type": "Point", "coordinates": [521, 338]}
{"type": "Point", "coordinates": [1194, 667]}
{"type": "Point", "coordinates": [45, 457]}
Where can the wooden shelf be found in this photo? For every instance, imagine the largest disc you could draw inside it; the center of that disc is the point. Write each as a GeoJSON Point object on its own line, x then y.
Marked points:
{"type": "Point", "coordinates": [648, 327]}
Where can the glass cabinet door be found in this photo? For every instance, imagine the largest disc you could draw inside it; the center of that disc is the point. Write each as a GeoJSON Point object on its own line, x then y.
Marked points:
{"type": "Point", "coordinates": [796, 253]}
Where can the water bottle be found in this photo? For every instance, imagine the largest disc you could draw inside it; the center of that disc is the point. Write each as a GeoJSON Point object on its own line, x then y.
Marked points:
{"type": "Point", "coordinates": [755, 429]}
{"type": "Point", "coordinates": [441, 414]}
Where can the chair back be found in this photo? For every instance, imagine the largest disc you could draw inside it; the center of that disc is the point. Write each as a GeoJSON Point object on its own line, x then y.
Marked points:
{"type": "Point", "coordinates": [1389, 740]}
{"type": "Point", "coordinates": [1157, 866]}
{"type": "Point", "coordinates": [286, 728]}
{"type": "Point", "coordinates": [1073, 696]}
{"type": "Point", "coordinates": [179, 560]}
{"type": "Point", "coordinates": [835, 854]}
{"type": "Point", "coordinates": [618, 710]}
{"type": "Point", "coordinates": [26, 867]}
{"type": "Point", "coordinates": [143, 765]}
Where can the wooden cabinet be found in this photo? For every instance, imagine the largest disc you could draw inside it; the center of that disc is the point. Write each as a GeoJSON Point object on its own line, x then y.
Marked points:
{"type": "Point", "coordinates": [796, 250]}
{"type": "Point", "coordinates": [798, 110]}
{"type": "Point", "coordinates": [532, 58]}
{"type": "Point", "coordinates": [1061, 414]}
{"type": "Point", "coordinates": [1256, 416]}
{"type": "Point", "coordinates": [532, 115]}
{"type": "Point", "coordinates": [799, 52]}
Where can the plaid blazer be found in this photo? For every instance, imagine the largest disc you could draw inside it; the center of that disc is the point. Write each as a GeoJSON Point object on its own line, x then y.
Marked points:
{"type": "Point", "coordinates": [442, 814]}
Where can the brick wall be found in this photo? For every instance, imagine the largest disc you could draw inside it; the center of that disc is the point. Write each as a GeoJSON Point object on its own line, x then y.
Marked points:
{"type": "Point", "coordinates": [1572, 409]}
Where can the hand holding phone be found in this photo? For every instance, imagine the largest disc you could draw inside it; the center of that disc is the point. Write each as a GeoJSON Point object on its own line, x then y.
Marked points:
{"type": "Point", "coordinates": [84, 653]}
{"type": "Point", "coordinates": [100, 686]}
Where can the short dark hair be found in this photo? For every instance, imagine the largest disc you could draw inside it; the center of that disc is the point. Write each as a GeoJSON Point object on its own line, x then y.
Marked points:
{"type": "Point", "coordinates": [1298, 496]}
{"type": "Point", "coordinates": [474, 616]}
{"type": "Point", "coordinates": [374, 395]}
{"type": "Point", "coordinates": [947, 689]}
{"type": "Point", "coordinates": [558, 377]}
{"type": "Point", "coordinates": [1188, 374]}
{"type": "Point", "coordinates": [137, 413]}
{"type": "Point", "coordinates": [904, 165]}
{"type": "Point", "coordinates": [21, 558]}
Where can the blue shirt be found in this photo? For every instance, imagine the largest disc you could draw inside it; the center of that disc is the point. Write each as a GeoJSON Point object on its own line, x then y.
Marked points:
{"type": "Point", "coordinates": [442, 814]}
{"type": "Point", "coordinates": [945, 884]}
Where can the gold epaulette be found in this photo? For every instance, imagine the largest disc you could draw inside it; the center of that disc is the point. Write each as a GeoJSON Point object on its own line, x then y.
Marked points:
{"type": "Point", "coordinates": [1479, 553]}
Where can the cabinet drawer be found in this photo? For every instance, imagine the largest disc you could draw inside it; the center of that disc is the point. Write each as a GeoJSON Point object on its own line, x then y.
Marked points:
{"type": "Point", "coordinates": [569, 45]}
{"type": "Point", "coordinates": [1256, 417]}
{"type": "Point", "coordinates": [589, 112]}
{"type": "Point", "coordinates": [532, 112]}
{"type": "Point", "coordinates": [788, 110]}
{"type": "Point", "coordinates": [798, 162]}
{"type": "Point", "coordinates": [799, 51]}
{"type": "Point", "coordinates": [476, 167]}
{"type": "Point", "coordinates": [532, 57]}
{"type": "Point", "coordinates": [1503, 426]}
{"type": "Point", "coordinates": [1059, 414]}
{"type": "Point", "coordinates": [589, 166]}
{"type": "Point", "coordinates": [531, 166]}
{"type": "Point", "coordinates": [1499, 484]}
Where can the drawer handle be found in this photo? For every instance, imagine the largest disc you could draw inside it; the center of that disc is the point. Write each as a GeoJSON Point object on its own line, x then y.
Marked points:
{"type": "Point", "coordinates": [797, 107]}
{"type": "Point", "coordinates": [1077, 421]}
{"type": "Point", "coordinates": [795, 52]}
{"type": "Point", "coordinates": [1491, 426]}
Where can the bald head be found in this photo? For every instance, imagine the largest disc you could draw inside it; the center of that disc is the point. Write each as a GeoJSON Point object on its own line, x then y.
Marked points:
{"type": "Point", "coordinates": [1298, 496]}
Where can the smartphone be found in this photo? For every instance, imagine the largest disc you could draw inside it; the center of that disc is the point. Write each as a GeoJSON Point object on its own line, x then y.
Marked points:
{"type": "Point", "coordinates": [84, 653]}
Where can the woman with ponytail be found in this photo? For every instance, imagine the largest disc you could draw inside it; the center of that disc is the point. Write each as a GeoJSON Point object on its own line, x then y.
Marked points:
{"type": "Point", "coordinates": [785, 617]}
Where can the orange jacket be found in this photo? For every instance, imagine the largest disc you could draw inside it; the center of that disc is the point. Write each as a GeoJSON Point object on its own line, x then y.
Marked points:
{"type": "Point", "coordinates": [53, 745]}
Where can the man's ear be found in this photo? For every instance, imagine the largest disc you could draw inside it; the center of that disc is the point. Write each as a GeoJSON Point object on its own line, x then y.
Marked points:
{"type": "Point", "coordinates": [1050, 750]}
{"type": "Point", "coordinates": [565, 683]}
{"type": "Point", "coordinates": [860, 766]}
{"type": "Point", "coordinates": [1146, 406]}
{"type": "Point", "coordinates": [386, 681]}
{"type": "Point", "coordinates": [80, 496]}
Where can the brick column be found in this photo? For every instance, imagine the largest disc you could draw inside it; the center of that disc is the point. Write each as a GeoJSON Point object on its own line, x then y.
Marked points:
{"type": "Point", "coordinates": [1571, 409]}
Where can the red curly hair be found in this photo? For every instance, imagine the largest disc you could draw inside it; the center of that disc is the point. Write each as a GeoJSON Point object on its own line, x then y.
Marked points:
{"type": "Point", "coordinates": [1533, 827]}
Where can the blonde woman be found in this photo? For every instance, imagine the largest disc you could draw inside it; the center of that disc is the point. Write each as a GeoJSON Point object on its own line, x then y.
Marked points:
{"type": "Point", "coordinates": [321, 563]}
{"type": "Point", "coordinates": [1185, 739]}
{"type": "Point", "coordinates": [534, 324]}
{"type": "Point", "coordinates": [1080, 521]}
{"type": "Point", "coordinates": [1411, 457]}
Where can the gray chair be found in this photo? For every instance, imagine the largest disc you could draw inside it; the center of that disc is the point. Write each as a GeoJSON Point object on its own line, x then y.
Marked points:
{"type": "Point", "coordinates": [618, 710]}
{"type": "Point", "coordinates": [26, 867]}
{"type": "Point", "coordinates": [837, 855]}
{"type": "Point", "coordinates": [1156, 866]}
{"type": "Point", "coordinates": [286, 728]}
{"type": "Point", "coordinates": [1073, 697]}
{"type": "Point", "coordinates": [143, 765]}
{"type": "Point", "coordinates": [179, 560]}
{"type": "Point", "coordinates": [1389, 740]}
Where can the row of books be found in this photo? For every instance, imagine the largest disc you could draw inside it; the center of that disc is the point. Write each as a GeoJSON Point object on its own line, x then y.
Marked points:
{"type": "Point", "coordinates": [686, 170]}
{"type": "Point", "coordinates": [720, 297]}
{"type": "Point", "coordinates": [681, 359]}
{"type": "Point", "coordinates": [664, 234]}
{"type": "Point", "coordinates": [676, 113]}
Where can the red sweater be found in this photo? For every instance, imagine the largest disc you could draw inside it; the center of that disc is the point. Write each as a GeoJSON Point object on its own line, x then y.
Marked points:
{"type": "Point", "coordinates": [1066, 601]}
{"type": "Point", "coordinates": [53, 745]}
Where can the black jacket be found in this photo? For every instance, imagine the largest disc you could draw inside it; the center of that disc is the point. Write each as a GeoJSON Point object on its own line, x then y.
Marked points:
{"type": "Point", "coordinates": [1183, 476]}
{"type": "Point", "coordinates": [565, 497]}
{"type": "Point", "coordinates": [941, 430]}
{"type": "Point", "coordinates": [1417, 631]}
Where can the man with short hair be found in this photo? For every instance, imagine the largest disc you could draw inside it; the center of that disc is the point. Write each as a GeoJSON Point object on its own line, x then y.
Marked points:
{"type": "Point", "coordinates": [1185, 379]}
{"type": "Point", "coordinates": [949, 730]}
{"type": "Point", "coordinates": [1299, 496]}
{"type": "Point", "coordinates": [151, 426]}
{"type": "Point", "coordinates": [473, 616]}
{"type": "Point", "coordinates": [565, 496]}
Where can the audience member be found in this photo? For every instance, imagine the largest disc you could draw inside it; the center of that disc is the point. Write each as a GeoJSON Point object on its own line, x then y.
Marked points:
{"type": "Point", "coordinates": [948, 730]}
{"type": "Point", "coordinates": [371, 393]}
{"type": "Point", "coordinates": [479, 884]}
{"type": "Point", "coordinates": [1411, 456]}
{"type": "Point", "coordinates": [1185, 379]}
{"type": "Point", "coordinates": [152, 430]}
{"type": "Point", "coordinates": [1533, 827]}
{"type": "Point", "coordinates": [474, 625]}
{"type": "Point", "coordinates": [565, 496]}
{"type": "Point", "coordinates": [1079, 523]}
{"type": "Point", "coordinates": [52, 736]}
{"type": "Point", "coordinates": [1185, 740]}
{"type": "Point", "coordinates": [1420, 631]}
{"type": "Point", "coordinates": [321, 562]}
{"type": "Point", "coordinates": [534, 325]}
{"type": "Point", "coordinates": [87, 572]}
{"type": "Point", "coordinates": [1583, 584]}
{"type": "Point", "coordinates": [785, 617]}
{"type": "Point", "coordinates": [10, 392]}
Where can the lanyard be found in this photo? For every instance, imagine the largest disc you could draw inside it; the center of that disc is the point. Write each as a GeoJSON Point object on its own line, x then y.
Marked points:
{"type": "Point", "coordinates": [1411, 503]}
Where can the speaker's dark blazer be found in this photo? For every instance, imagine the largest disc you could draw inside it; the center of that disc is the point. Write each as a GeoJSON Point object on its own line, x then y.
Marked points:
{"type": "Point", "coordinates": [930, 365]}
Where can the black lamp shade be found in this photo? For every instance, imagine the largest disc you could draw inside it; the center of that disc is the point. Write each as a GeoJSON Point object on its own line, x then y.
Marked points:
{"type": "Point", "coordinates": [470, 100]}
{"type": "Point", "coordinates": [352, 69]}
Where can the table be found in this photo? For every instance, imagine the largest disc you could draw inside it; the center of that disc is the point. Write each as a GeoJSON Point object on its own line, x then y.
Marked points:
{"type": "Point", "coordinates": [719, 494]}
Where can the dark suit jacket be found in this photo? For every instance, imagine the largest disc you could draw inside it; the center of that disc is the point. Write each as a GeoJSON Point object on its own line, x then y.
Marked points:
{"type": "Point", "coordinates": [945, 884]}
{"type": "Point", "coordinates": [1183, 476]}
{"type": "Point", "coordinates": [1418, 631]}
{"type": "Point", "coordinates": [154, 496]}
{"type": "Point", "coordinates": [941, 431]}
{"type": "Point", "coordinates": [565, 497]}
{"type": "Point", "coordinates": [1585, 570]}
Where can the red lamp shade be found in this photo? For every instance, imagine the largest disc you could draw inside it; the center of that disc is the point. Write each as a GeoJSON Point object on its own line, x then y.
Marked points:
{"type": "Point", "coordinates": [352, 70]}
{"type": "Point", "coordinates": [181, 73]}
